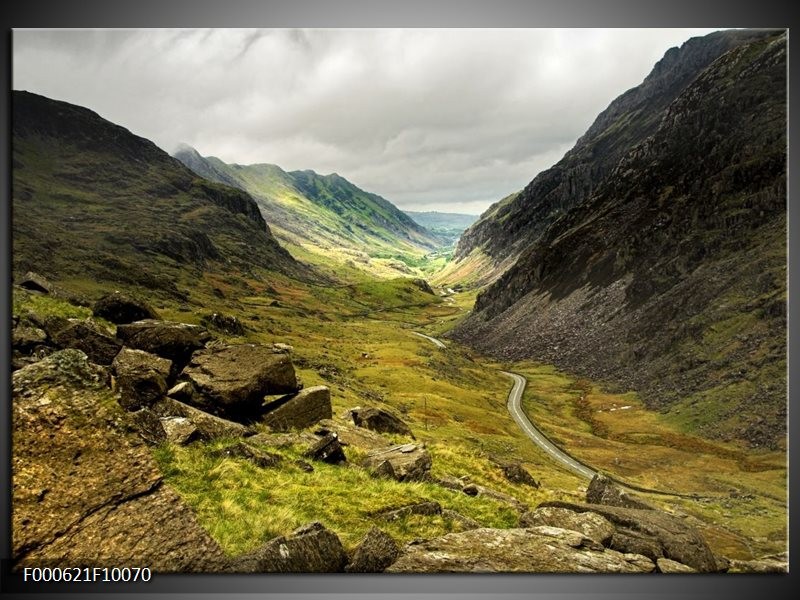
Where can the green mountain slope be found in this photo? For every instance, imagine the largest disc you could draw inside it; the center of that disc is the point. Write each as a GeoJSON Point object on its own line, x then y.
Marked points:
{"type": "Point", "coordinates": [325, 219]}
{"type": "Point", "coordinates": [94, 203]}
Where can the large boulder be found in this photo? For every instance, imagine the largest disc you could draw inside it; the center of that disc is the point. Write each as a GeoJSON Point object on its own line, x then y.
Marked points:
{"type": "Point", "coordinates": [350, 435]}
{"type": "Point", "coordinates": [380, 420]}
{"type": "Point", "coordinates": [223, 323]}
{"type": "Point", "coordinates": [602, 490]}
{"type": "Point", "coordinates": [535, 550]}
{"type": "Point", "coordinates": [300, 410]}
{"type": "Point", "coordinates": [309, 549]}
{"type": "Point", "coordinates": [374, 553]}
{"type": "Point", "coordinates": [120, 308]}
{"type": "Point", "coordinates": [175, 341]}
{"type": "Point", "coordinates": [653, 533]}
{"type": "Point", "coordinates": [327, 449]}
{"type": "Point", "coordinates": [233, 380]}
{"type": "Point", "coordinates": [405, 462]}
{"type": "Point", "coordinates": [35, 282]}
{"type": "Point", "coordinates": [516, 473]}
{"type": "Point", "coordinates": [141, 378]}
{"type": "Point", "coordinates": [209, 427]}
{"type": "Point", "coordinates": [589, 524]}
{"type": "Point", "coordinates": [89, 337]}
{"type": "Point", "coordinates": [28, 339]}
{"type": "Point", "coordinates": [85, 488]}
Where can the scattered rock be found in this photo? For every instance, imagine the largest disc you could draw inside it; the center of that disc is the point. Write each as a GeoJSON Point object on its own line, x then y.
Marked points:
{"type": "Point", "coordinates": [141, 378]}
{"type": "Point", "coordinates": [377, 419]}
{"type": "Point", "coordinates": [233, 380]}
{"type": "Point", "coordinates": [665, 565]}
{"type": "Point", "coordinates": [541, 550]}
{"type": "Point", "coordinates": [422, 508]}
{"type": "Point", "coordinates": [35, 282]}
{"type": "Point", "coordinates": [309, 549]}
{"type": "Point", "coordinates": [28, 339]}
{"type": "Point", "coordinates": [209, 427]}
{"type": "Point", "coordinates": [474, 489]}
{"type": "Point", "coordinates": [149, 426]}
{"type": "Point", "coordinates": [282, 348]}
{"type": "Point", "coordinates": [328, 449]}
{"type": "Point", "coordinates": [406, 462]}
{"type": "Point", "coordinates": [515, 473]}
{"type": "Point", "coordinates": [89, 337]}
{"type": "Point", "coordinates": [175, 341]}
{"type": "Point", "coordinates": [223, 323]}
{"type": "Point", "coordinates": [77, 499]}
{"type": "Point", "coordinates": [602, 490]}
{"type": "Point", "coordinates": [282, 440]}
{"type": "Point", "coordinates": [452, 483]}
{"type": "Point", "coordinates": [179, 430]}
{"type": "Point", "coordinates": [50, 324]}
{"type": "Point", "coordinates": [374, 553]}
{"type": "Point", "coordinates": [303, 466]}
{"type": "Point", "coordinates": [182, 391]}
{"type": "Point", "coordinates": [350, 435]}
{"type": "Point", "coordinates": [258, 457]}
{"type": "Point", "coordinates": [423, 285]}
{"type": "Point", "coordinates": [464, 521]}
{"type": "Point", "coordinates": [299, 410]}
{"type": "Point", "coordinates": [767, 564]}
{"type": "Point", "coordinates": [589, 524]}
{"type": "Point", "coordinates": [120, 308]}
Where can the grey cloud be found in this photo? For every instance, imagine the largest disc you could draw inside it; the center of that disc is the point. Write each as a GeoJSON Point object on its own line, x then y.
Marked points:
{"type": "Point", "coordinates": [431, 119]}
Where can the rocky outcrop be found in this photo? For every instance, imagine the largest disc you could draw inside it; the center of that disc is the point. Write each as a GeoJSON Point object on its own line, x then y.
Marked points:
{"type": "Point", "coordinates": [175, 341]}
{"type": "Point", "coordinates": [179, 430]}
{"type": "Point", "coordinates": [327, 449]}
{"type": "Point", "coordinates": [602, 490]}
{"type": "Point", "coordinates": [534, 550]}
{"type": "Point", "coordinates": [516, 473]}
{"type": "Point", "coordinates": [309, 549]}
{"type": "Point", "coordinates": [592, 525]}
{"type": "Point", "coordinates": [89, 337]}
{"type": "Point", "coordinates": [209, 427]}
{"type": "Point", "coordinates": [300, 410]}
{"type": "Point", "coordinates": [405, 462]}
{"type": "Point", "coordinates": [374, 553]}
{"type": "Point", "coordinates": [380, 420]}
{"type": "Point", "coordinates": [141, 378]}
{"type": "Point", "coordinates": [223, 323]}
{"type": "Point", "coordinates": [91, 495]}
{"type": "Point", "coordinates": [36, 283]}
{"type": "Point", "coordinates": [351, 435]}
{"type": "Point", "coordinates": [665, 565]}
{"type": "Point", "coordinates": [120, 308]}
{"type": "Point", "coordinates": [233, 380]}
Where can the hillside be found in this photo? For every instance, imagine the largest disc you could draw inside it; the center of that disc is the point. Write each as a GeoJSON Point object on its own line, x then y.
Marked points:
{"type": "Point", "coordinates": [506, 229]}
{"type": "Point", "coordinates": [669, 277]}
{"type": "Point", "coordinates": [448, 225]}
{"type": "Point", "coordinates": [94, 203]}
{"type": "Point", "coordinates": [325, 218]}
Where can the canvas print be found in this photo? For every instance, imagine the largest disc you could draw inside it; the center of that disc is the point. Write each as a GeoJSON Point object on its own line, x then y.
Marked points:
{"type": "Point", "coordinates": [399, 301]}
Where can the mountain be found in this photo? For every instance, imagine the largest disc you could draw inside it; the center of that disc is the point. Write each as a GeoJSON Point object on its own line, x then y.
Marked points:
{"type": "Point", "coordinates": [667, 275]}
{"type": "Point", "coordinates": [324, 217]}
{"type": "Point", "coordinates": [448, 225]}
{"type": "Point", "coordinates": [93, 202]}
{"type": "Point", "coordinates": [502, 233]}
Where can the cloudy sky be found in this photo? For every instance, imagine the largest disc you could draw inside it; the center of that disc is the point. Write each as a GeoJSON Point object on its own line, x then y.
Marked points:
{"type": "Point", "coordinates": [448, 120]}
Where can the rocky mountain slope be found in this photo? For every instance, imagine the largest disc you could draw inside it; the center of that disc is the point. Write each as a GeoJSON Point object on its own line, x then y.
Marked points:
{"type": "Point", "coordinates": [506, 229]}
{"type": "Point", "coordinates": [668, 275]}
{"type": "Point", "coordinates": [92, 201]}
{"type": "Point", "coordinates": [323, 214]}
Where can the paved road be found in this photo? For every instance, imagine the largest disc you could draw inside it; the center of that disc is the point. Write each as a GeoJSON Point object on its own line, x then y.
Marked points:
{"type": "Point", "coordinates": [439, 343]}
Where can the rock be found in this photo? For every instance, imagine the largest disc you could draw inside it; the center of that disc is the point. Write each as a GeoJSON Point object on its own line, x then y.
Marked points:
{"type": "Point", "coordinates": [602, 490]}
{"type": "Point", "coordinates": [209, 427]}
{"type": "Point", "coordinates": [350, 435]}
{"type": "Point", "coordinates": [35, 282]}
{"type": "Point", "coordinates": [328, 449]}
{"type": "Point", "coordinates": [473, 489]}
{"type": "Point", "coordinates": [282, 440]}
{"type": "Point", "coordinates": [423, 285]}
{"type": "Point", "coordinates": [382, 421]}
{"type": "Point", "coordinates": [89, 337]}
{"type": "Point", "coordinates": [538, 550]}
{"type": "Point", "coordinates": [422, 508]}
{"type": "Point", "coordinates": [258, 457]}
{"type": "Point", "coordinates": [653, 532]}
{"type": "Point", "coordinates": [149, 426]}
{"type": "Point", "coordinates": [515, 473]}
{"type": "Point", "coordinates": [223, 323]}
{"type": "Point", "coordinates": [768, 564]}
{"type": "Point", "coordinates": [309, 549]}
{"type": "Point", "coordinates": [141, 378]}
{"type": "Point", "coordinates": [589, 524]}
{"type": "Point", "coordinates": [86, 488]}
{"type": "Point", "coordinates": [299, 410]}
{"type": "Point", "coordinates": [665, 565]}
{"type": "Point", "coordinates": [374, 553]}
{"type": "Point", "coordinates": [283, 348]}
{"type": "Point", "coordinates": [120, 309]}
{"type": "Point", "coordinates": [50, 324]}
{"type": "Point", "coordinates": [452, 483]}
{"type": "Point", "coordinates": [183, 392]}
{"type": "Point", "coordinates": [27, 339]}
{"type": "Point", "coordinates": [464, 521]}
{"type": "Point", "coordinates": [303, 466]}
{"type": "Point", "coordinates": [406, 462]}
{"type": "Point", "coordinates": [175, 341]}
{"type": "Point", "coordinates": [179, 430]}
{"type": "Point", "coordinates": [233, 380]}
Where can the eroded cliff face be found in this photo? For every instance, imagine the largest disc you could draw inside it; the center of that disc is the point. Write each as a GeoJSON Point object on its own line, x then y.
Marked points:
{"type": "Point", "coordinates": [669, 278]}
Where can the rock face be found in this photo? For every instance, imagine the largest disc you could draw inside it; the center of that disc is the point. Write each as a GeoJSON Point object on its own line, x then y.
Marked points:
{"type": "Point", "coordinates": [535, 550]}
{"type": "Point", "coordinates": [175, 341]}
{"type": "Point", "coordinates": [141, 378]}
{"type": "Point", "coordinates": [309, 549]}
{"type": "Point", "coordinates": [90, 338]}
{"type": "Point", "coordinates": [233, 380]}
{"type": "Point", "coordinates": [374, 553]}
{"type": "Point", "coordinates": [209, 427]}
{"type": "Point", "coordinates": [120, 308]}
{"type": "Point", "coordinates": [590, 524]}
{"type": "Point", "coordinates": [300, 410]}
{"type": "Point", "coordinates": [406, 462]}
{"type": "Point", "coordinates": [602, 490]}
{"type": "Point", "coordinates": [382, 421]}
{"type": "Point", "coordinates": [92, 494]}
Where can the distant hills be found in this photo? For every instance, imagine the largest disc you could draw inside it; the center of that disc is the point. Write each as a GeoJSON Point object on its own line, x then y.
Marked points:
{"type": "Point", "coordinates": [653, 255]}
{"type": "Point", "coordinates": [325, 218]}
{"type": "Point", "coordinates": [449, 226]}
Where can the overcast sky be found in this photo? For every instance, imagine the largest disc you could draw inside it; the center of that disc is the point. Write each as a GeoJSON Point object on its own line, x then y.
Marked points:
{"type": "Point", "coordinates": [449, 120]}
